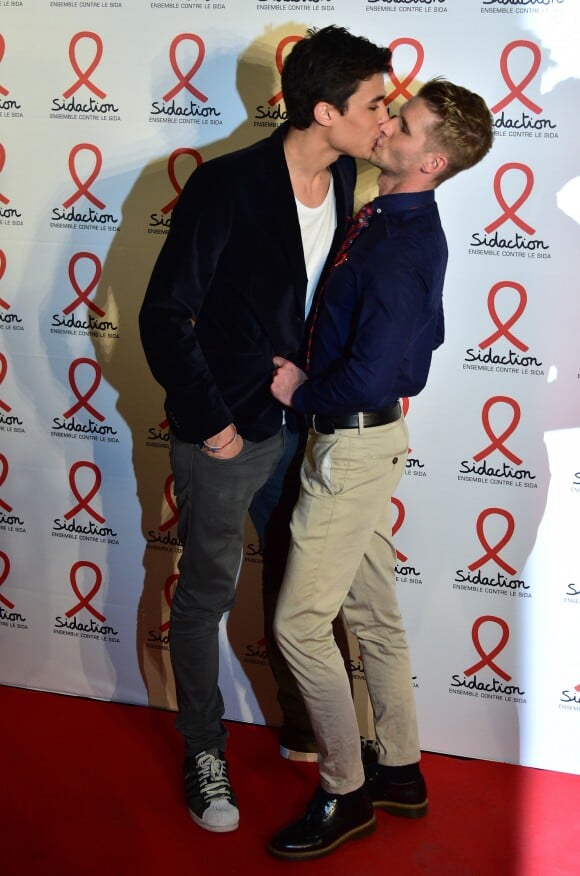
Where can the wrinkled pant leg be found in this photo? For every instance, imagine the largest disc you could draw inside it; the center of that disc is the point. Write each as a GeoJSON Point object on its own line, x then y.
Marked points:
{"type": "Point", "coordinates": [213, 497]}
{"type": "Point", "coordinates": [346, 481]}
{"type": "Point", "coordinates": [372, 612]}
{"type": "Point", "coordinates": [271, 512]}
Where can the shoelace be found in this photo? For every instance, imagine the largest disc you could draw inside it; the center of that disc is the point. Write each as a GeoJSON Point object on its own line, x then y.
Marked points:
{"type": "Point", "coordinates": [213, 777]}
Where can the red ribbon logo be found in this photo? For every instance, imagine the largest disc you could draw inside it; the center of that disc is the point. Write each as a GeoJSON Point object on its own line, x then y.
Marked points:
{"type": "Point", "coordinates": [487, 657]}
{"type": "Point", "coordinates": [82, 401]}
{"type": "Point", "coordinates": [172, 176]}
{"type": "Point", "coordinates": [3, 198]}
{"type": "Point", "coordinates": [3, 90]}
{"type": "Point", "coordinates": [169, 498]}
{"type": "Point", "coordinates": [85, 601]}
{"type": "Point", "coordinates": [3, 476]}
{"type": "Point", "coordinates": [3, 303]}
{"type": "Point", "coordinates": [288, 40]}
{"type": "Point", "coordinates": [3, 576]}
{"type": "Point", "coordinates": [84, 74]}
{"type": "Point", "coordinates": [492, 551]}
{"type": "Point", "coordinates": [168, 590]}
{"type": "Point", "coordinates": [517, 91]}
{"type": "Point", "coordinates": [497, 440]}
{"type": "Point", "coordinates": [400, 89]}
{"type": "Point", "coordinates": [83, 293]}
{"type": "Point", "coordinates": [91, 492]}
{"type": "Point", "coordinates": [3, 373]}
{"type": "Point", "coordinates": [503, 328]}
{"type": "Point", "coordinates": [509, 211]}
{"type": "Point", "coordinates": [184, 80]}
{"type": "Point", "coordinates": [84, 187]}
{"type": "Point", "coordinates": [400, 509]}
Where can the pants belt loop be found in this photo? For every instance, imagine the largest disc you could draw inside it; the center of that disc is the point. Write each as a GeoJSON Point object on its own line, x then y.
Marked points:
{"type": "Point", "coordinates": [361, 424]}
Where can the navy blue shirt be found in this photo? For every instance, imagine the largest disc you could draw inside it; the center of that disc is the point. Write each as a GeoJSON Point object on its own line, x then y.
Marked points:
{"type": "Point", "coordinates": [381, 313]}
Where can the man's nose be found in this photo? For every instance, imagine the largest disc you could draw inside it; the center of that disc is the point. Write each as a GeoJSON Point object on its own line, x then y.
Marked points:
{"type": "Point", "coordinates": [383, 114]}
{"type": "Point", "coordinates": [386, 126]}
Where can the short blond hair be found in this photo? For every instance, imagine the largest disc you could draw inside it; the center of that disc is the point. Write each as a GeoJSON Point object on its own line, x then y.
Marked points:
{"type": "Point", "coordinates": [464, 130]}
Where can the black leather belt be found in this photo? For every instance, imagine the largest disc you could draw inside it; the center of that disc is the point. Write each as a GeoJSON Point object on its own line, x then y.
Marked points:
{"type": "Point", "coordinates": [328, 425]}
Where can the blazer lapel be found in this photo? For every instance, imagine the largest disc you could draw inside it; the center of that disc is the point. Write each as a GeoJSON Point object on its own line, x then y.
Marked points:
{"type": "Point", "coordinates": [285, 236]}
{"type": "Point", "coordinates": [286, 232]}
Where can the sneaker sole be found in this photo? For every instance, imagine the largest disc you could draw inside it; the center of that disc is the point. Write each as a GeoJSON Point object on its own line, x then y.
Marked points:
{"type": "Point", "coordinates": [402, 810]}
{"type": "Point", "coordinates": [299, 756]}
{"type": "Point", "coordinates": [356, 833]}
{"type": "Point", "coordinates": [214, 828]}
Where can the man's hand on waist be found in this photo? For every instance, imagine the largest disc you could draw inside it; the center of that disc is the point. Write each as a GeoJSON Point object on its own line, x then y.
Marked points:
{"type": "Point", "coordinates": [287, 378]}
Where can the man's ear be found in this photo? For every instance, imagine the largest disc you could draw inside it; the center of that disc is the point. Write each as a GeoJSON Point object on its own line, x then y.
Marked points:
{"type": "Point", "coordinates": [323, 113]}
{"type": "Point", "coordinates": [435, 163]}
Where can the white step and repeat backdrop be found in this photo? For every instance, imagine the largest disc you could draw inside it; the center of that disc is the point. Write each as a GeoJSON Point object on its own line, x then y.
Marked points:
{"type": "Point", "coordinates": [106, 108]}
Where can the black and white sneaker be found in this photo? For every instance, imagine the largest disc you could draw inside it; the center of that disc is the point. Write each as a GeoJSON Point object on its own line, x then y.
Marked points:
{"type": "Point", "coordinates": [211, 802]}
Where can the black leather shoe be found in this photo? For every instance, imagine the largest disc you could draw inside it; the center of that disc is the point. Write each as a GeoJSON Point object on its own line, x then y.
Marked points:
{"type": "Point", "coordinates": [329, 820]}
{"type": "Point", "coordinates": [407, 799]}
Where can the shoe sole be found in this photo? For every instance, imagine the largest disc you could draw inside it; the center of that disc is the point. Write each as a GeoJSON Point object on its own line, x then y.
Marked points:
{"type": "Point", "coordinates": [299, 756]}
{"type": "Point", "coordinates": [356, 833]}
{"type": "Point", "coordinates": [214, 828]}
{"type": "Point", "coordinates": [402, 810]}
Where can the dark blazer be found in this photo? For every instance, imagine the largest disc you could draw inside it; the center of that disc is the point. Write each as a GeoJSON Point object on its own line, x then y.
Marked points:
{"type": "Point", "coordinates": [227, 291]}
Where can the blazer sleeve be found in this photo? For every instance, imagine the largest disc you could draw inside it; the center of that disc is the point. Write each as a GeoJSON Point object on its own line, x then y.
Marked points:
{"type": "Point", "coordinates": [181, 277]}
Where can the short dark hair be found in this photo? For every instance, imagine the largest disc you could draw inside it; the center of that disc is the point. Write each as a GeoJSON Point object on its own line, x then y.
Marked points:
{"type": "Point", "coordinates": [465, 127]}
{"type": "Point", "coordinates": [328, 65]}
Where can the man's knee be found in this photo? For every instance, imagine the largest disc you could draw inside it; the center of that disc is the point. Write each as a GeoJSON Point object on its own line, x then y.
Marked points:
{"type": "Point", "coordinates": [283, 632]}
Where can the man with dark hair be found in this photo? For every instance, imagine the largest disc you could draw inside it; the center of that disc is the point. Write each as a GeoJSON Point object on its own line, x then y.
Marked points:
{"type": "Point", "coordinates": [380, 316]}
{"type": "Point", "coordinates": [249, 240]}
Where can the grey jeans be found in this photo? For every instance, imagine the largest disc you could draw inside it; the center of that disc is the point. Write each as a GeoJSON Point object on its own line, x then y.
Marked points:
{"type": "Point", "coordinates": [213, 496]}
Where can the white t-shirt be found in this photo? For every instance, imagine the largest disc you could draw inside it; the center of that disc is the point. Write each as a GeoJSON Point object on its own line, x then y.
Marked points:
{"type": "Point", "coordinates": [317, 225]}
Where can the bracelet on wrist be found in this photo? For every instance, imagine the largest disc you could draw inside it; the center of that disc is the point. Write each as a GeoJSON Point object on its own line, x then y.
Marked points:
{"type": "Point", "coordinates": [214, 448]}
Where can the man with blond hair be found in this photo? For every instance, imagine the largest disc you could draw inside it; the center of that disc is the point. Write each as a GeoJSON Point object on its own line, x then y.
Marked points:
{"type": "Point", "coordinates": [377, 322]}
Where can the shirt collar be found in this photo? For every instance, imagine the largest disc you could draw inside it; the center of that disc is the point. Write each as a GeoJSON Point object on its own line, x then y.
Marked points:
{"type": "Point", "coordinates": [401, 201]}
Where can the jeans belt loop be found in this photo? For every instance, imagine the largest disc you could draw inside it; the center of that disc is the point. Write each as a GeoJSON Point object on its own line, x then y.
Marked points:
{"type": "Point", "coordinates": [361, 423]}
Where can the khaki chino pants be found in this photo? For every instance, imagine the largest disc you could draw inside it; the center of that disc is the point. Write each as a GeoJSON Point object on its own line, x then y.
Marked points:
{"type": "Point", "coordinates": [342, 557]}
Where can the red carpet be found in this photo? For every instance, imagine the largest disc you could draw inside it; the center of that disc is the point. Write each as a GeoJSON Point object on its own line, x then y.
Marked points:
{"type": "Point", "coordinates": [95, 788]}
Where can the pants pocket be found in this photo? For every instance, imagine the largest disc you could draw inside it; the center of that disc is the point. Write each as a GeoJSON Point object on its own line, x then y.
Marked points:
{"type": "Point", "coordinates": [324, 465]}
